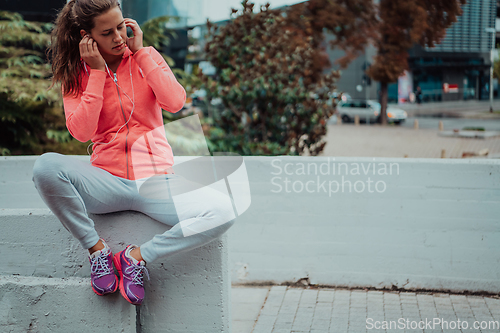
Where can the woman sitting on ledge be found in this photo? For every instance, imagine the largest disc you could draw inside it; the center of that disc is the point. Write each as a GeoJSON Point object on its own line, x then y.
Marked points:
{"type": "Point", "coordinates": [114, 90]}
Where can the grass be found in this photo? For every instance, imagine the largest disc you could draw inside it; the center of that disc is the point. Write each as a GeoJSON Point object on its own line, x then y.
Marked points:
{"type": "Point", "coordinates": [471, 128]}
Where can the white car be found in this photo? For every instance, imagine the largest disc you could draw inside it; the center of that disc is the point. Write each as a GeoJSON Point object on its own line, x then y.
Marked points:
{"type": "Point", "coordinates": [394, 114]}
{"type": "Point", "coordinates": [368, 111]}
{"type": "Point", "coordinates": [364, 109]}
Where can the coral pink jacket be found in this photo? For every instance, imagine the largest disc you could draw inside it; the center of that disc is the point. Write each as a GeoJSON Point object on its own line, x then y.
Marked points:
{"type": "Point", "coordinates": [140, 148]}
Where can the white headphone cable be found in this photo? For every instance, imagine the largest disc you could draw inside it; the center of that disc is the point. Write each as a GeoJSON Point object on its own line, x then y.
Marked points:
{"type": "Point", "coordinates": [131, 112]}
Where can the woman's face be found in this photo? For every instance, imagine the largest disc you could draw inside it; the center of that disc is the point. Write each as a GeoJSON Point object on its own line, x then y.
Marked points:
{"type": "Point", "coordinates": [110, 33]}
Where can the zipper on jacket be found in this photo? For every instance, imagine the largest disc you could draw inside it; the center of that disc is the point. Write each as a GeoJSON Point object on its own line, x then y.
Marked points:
{"type": "Point", "coordinates": [125, 119]}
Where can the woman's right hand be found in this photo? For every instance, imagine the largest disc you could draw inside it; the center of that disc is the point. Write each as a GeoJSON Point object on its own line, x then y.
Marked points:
{"type": "Point", "coordinates": [90, 53]}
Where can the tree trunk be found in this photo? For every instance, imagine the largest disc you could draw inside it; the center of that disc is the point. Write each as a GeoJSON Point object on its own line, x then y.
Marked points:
{"type": "Point", "coordinates": [383, 102]}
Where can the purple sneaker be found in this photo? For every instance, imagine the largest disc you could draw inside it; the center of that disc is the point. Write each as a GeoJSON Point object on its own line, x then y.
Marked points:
{"type": "Point", "coordinates": [103, 278]}
{"type": "Point", "coordinates": [131, 274]}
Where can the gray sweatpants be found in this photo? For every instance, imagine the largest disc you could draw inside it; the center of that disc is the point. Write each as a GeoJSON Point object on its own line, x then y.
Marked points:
{"type": "Point", "coordinates": [72, 188]}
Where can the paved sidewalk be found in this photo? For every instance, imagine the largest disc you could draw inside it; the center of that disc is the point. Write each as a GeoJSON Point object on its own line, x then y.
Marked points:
{"type": "Point", "coordinates": [281, 309]}
{"type": "Point", "coordinates": [397, 141]}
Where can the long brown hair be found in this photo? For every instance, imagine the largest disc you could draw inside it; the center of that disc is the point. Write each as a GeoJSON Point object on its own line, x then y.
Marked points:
{"type": "Point", "coordinates": [64, 51]}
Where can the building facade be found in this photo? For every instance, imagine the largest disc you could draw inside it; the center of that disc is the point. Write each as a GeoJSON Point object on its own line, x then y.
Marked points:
{"type": "Point", "coordinates": [34, 10]}
{"type": "Point", "coordinates": [461, 60]}
{"type": "Point", "coordinates": [187, 11]}
{"type": "Point", "coordinates": [182, 13]}
{"type": "Point", "coordinates": [458, 68]}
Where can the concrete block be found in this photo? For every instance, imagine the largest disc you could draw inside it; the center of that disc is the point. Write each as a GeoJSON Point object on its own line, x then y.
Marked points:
{"type": "Point", "coordinates": [189, 292]}
{"type": "Point", "coordinates": [33, 304]}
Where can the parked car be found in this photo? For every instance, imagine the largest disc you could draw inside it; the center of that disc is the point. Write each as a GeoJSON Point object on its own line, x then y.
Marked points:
{"type": "Point", "coordinates": [364, 109]}
{"type": "Point", "coordinates": [394, 114]}
{"type": "Point", "coordinates": [368, 110]}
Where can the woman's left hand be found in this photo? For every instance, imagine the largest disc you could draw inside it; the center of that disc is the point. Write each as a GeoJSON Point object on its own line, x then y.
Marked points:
{"type": "Point", "coordinates": [134, 43]}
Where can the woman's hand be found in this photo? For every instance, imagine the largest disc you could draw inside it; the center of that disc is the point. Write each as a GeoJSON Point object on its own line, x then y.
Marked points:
{"type": "Point", "coordinates": [90, 53]}
{"type": "Point", "coordinates": [134, 43]}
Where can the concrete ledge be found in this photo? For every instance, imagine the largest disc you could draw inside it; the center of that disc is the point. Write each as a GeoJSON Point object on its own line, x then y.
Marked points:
{"type": "Point", "coordinates": [189, 292]}
{"type": "Point", "coordinates": [29, 304]}
{"type": "Point", "coordinates": [434, 226]}
{"type": "Point", "coordinates": [433, 223]}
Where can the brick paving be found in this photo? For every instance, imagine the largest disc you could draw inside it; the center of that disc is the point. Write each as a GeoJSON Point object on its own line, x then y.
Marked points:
{"type": "Point", "coordinates": [397, 141]}
{"type": "Point", "coordinates": [325, 310]}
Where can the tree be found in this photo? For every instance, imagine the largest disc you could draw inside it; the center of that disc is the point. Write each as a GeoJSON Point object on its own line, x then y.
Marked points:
{"type": "Point", "coordinates": [352, 22]}
{"type": "Point", "coordinates": [270, 80]}
{"type": "Point", "coordinates": [30, 114]}
{"type": "Point", "coordinates": [393, 26]}
{"type": "Point", "coordinates": [402, 24]}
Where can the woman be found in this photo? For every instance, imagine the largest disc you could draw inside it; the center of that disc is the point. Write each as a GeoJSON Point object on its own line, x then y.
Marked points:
{"type": "Point", "coordinates": [113, 91]}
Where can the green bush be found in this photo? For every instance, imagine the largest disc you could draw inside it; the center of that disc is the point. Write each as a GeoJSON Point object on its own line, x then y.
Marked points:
{"type": "Point", "coordinates": [29, 110]}
{"type": "Point", "coordinates": [275, 97]}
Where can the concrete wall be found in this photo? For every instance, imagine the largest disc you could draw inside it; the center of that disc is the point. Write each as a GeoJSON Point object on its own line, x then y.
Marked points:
{"type": "Point", "coordinates": [408, 223]}
{"type": "Point", "coordinates": [430, 223]}
{"type": "Point", "coordinates": [189, 292]}
{"type": "Point", "coordinates": [44, 280]}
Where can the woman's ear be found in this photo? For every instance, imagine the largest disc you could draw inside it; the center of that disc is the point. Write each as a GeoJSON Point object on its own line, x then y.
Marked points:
{"type": "Point", "coordinates": [83, 33]}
